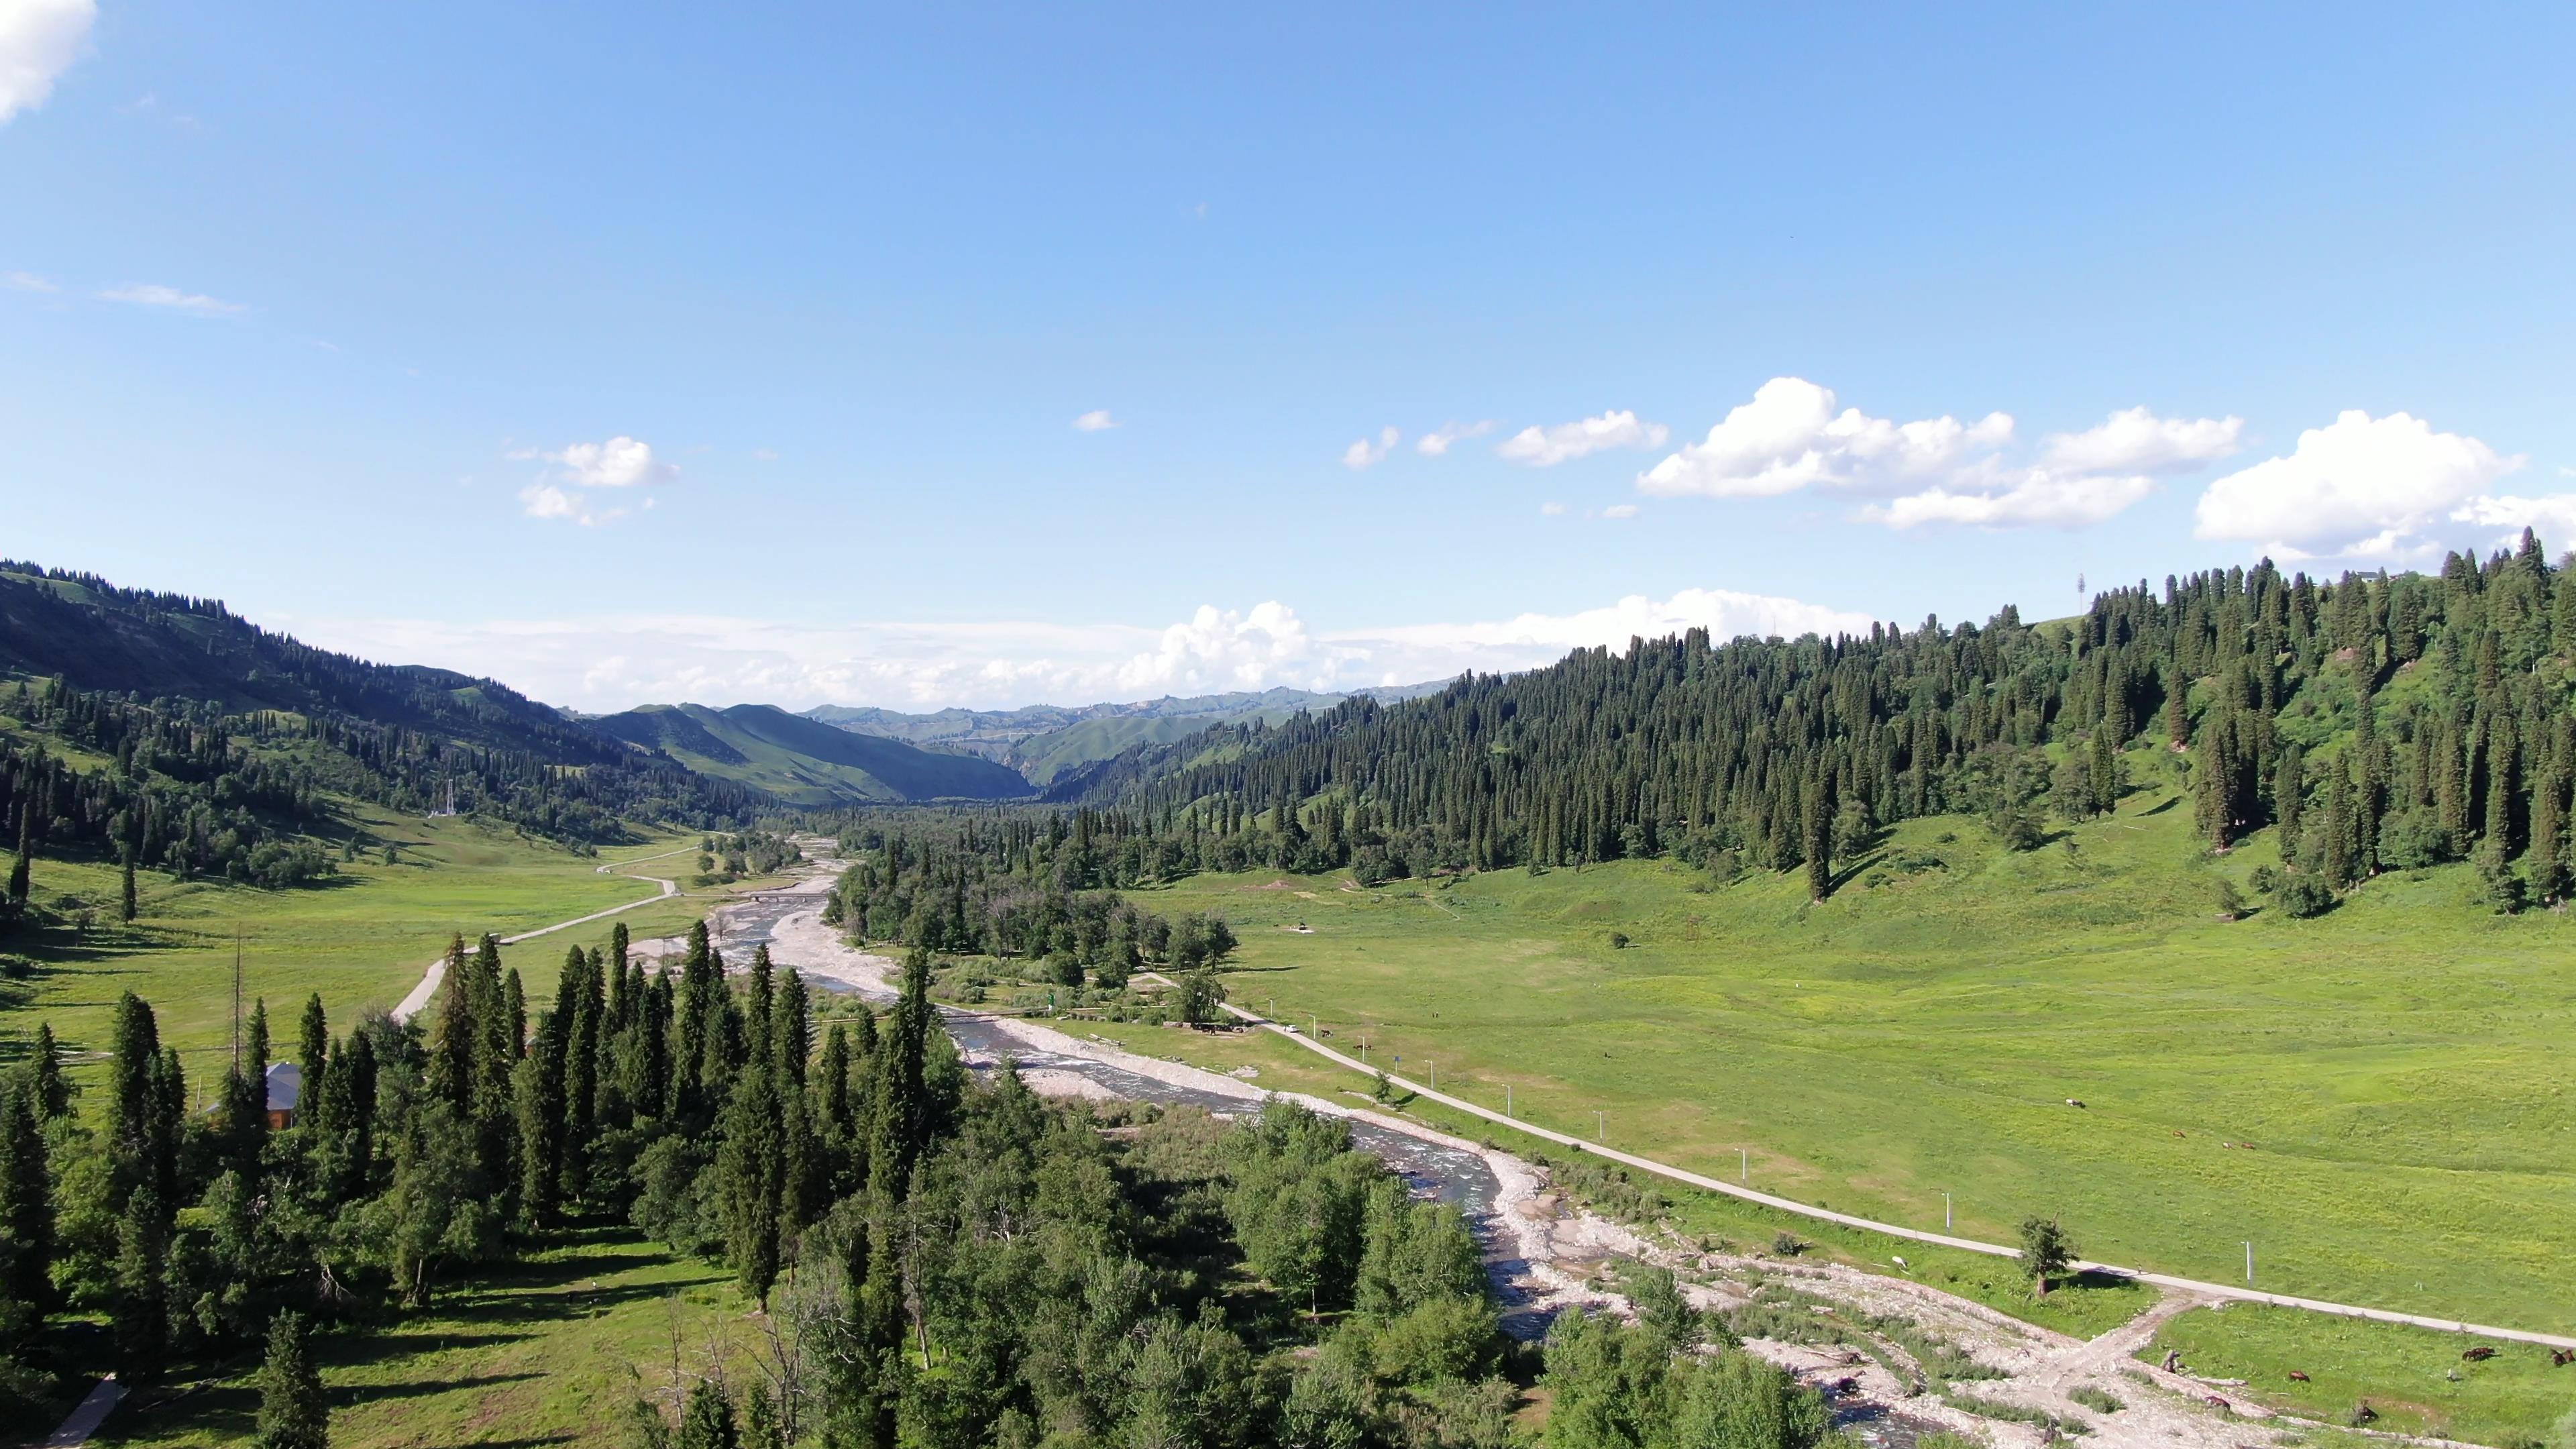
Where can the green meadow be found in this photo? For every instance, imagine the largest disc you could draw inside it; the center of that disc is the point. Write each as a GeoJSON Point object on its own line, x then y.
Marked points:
{"type": "Point", "coordinates": [361, 939]}
{"type": "Point", "coordinates": [2377, 1098]}
{"type": "Point", "coordinates": [553, 1349]}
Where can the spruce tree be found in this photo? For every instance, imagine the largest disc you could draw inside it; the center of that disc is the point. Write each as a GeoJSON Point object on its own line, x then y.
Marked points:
{"type": "Point", "coordinates": [293, 1414]}
{"type": "Point", "coordinates": [313, 1054]}
{"type": "Point", "coordinates": [18, 869]}
{"type": "Point", "coordinates": [131, 1105]}
{"type": "Point", "coordinates": [453, 1045]}
{"type": "Point", "coordinates": [708, 1423]}
{"type": "Point", "coordinates": [53, 1091]}
{"type": "Point", "coordinates": [2289, 802]}
{"type": "Point", "coordinates": [26, 1197]}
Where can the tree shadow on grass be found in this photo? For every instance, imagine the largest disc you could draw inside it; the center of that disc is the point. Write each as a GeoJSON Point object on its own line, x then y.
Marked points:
{"type": "Point", "coordinates": [367, 1349]}
{"type": "Point", "coordinates": [424, 1388]}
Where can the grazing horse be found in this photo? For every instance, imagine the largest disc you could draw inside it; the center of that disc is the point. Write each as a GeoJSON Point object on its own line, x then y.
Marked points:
{"type": "Point", "coordinates": [2561, 1357]}
{"type": "Point", "coordinates": [2298, 1377]}
{"type": "Point", "coordinates": [2479, 1354]}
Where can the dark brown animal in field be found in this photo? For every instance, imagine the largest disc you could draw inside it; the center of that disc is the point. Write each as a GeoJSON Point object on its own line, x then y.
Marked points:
{"type": "Point", "coordinates": [2178, 1132]}
{"type": "Point", "coordinates": [2298, 1377]}
{"type": "Point", "coordinates": [2071, 1102]}
{"type": "Point", "coordinates": [2479, 1354]}
{"type": "Point", "coordinates": [1846, 1386]}
{"type": "Point", "coordinates": [2221, 1405]}
{"type": "Point", "coordinates": [2561, 1357]}
{"type": "Point", "coordinates": [2364, 1413]}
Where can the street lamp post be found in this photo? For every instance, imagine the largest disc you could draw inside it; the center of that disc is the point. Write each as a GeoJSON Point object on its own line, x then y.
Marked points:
{"type": "Point", "coordinates": [1946, 1223]}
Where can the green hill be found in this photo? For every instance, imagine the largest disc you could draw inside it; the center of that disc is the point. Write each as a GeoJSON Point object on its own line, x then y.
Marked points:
{"type": "Point", "coordinates": [805, 762]}
{"type": "Point", "coordinates": [200, 712]}
{"type": "Point", "coordinates": [1044, 742]}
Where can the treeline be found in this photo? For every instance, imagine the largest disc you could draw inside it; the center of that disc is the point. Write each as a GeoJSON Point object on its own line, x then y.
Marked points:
{"type": "Point", "coordinates": [946, 1262]}
{"type": "Point", "coordinates": [1013, 885]}
{"type": "Point", "coordinates": [403, 737]}
{"type": "Point", "coordinates": [189, 789]}
{"type": "Point", "coordinates": [2384, 721]}
{"type": "Point", "coordinates": [177, 795]}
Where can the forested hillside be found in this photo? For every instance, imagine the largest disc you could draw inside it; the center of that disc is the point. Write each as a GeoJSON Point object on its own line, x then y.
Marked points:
{"type": "Point", "coordinates": [2379, 721]}
{"type": "Point", "coordinates": [805, 762]}
{"type": "Point", "coordinates": [1043, 741]}
{"type": "Point", "coordinates": [170, 727]}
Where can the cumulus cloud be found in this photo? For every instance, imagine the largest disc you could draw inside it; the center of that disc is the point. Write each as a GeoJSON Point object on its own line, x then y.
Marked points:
{"type": "Point", "coordinates": [1369, 452]}
{"type": "Point", "coordinates": [39, 40]}
{"type": "Point", "coordinates": [621, 462]}
{"type": "Point", "coordinates": [2135, 440]}
{"type": "Point", "coordinates": [2040, 499]}
{"type": "Point", "coordinates": [1551, 509]}
{"type": "Point", "coordinates": [153, 294]}
{"type": "Point", "coordinates": [1791, 436]}
{"type": "Point", "coordinates": [1097, 420]}
{"type": "Point", "coordinates": [1797, 435]}
{"type": "Point", "coordinates": [28, 282]}
{"type": "Point", "coordinates": [2361, 487]}
{"type": "Point", "coordinates": [565, 489]}
{"type": "Point", "coordinates": [1542, 447]}
{"type": "Point", "coordinates": [1620, 510]}
{"type": "Point", "coordinates": [612, 662]}
{"type": "Point", "coordinates": [1439, 440]}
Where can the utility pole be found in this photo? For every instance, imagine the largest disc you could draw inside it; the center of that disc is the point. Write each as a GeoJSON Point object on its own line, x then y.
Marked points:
{"type": "Point", "coordinates": [1946, 1222]}
{"type": "Point", "coordinates": [1601, 1128]}
{"type": "Point", "coordinates": [1507, 1099]}
{"type": "Point", "coordinates": [1435, 1076]}
{"type": "Point", "coordinates": [237, 984]}
{"type": "Point", "coordinates": [2249, 1265]}
{"type": "Point", "coordinates": [1743, 1166]}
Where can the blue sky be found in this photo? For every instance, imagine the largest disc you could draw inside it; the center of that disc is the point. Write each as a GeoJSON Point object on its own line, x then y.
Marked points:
{"type": "Point", "coordinates": [634, 352]}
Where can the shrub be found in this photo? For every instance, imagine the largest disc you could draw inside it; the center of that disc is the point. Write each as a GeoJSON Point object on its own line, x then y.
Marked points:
{"type": "Point", "coordinates": [2098, 1400]}
{"type": "Point", "coordinates": [2306, 895]}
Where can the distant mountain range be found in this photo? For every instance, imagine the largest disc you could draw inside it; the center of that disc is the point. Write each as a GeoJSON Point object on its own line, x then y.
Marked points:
{"type": "Point", "coordinates": [805, 762]}
{"type": "Point", "coordinates": [1045, 741]}
{"type": "Point", "coordinates": [681, 762]}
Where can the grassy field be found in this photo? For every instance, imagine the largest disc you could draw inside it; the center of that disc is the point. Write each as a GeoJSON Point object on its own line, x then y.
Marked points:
{"type": "Point", "coordinates": [549, 1351]}
{"type": "Point", "coordinates": [2412, 1379]}
{"type": "Point", "coordinates": [2083, 1308]}
{"type": "Point", "coordinates": [2376, 1098]}
{"type": "Point", "coordinates": [361, 940]}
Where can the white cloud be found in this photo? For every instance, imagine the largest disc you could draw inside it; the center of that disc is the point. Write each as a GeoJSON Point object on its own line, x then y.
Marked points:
{"type": "Point", "coordinates": [612, 662]}
{"type": "Point", "coordinates": [1544, 447]}
{"type": "Point", "coordinates": [1620, 510]}
{"type": "Point", "coordinates": [1368, 452]}
{"type": "Point", "coordinates": [28, 282]}
{"type": "Point", "coordinates": [1795, 434]}
{"type": "Point", "coordinates": [764, 455]}
{"type": "Point", "coordinates": [2553, 517]}
{"type": "Point", "coordinates": [2360, 486]}
{"type": "Point", "coordinates": [1439, 440]}
{"type": "Point", "coordinates": [621, 462]}
{"type": "Point", "coordinates": [39, 40]}
{"type": "Point", "coordinates": [153, 294]}
{"type": "Point", "coordinates": [2040, 499]}
{"type": "Point", "coordinates": [2137, 441]}
{"type": "Point", "coordinates": [1551, 509]}
{"type": "Point", "coordinates": [1097, 420]}
{"type": "Point", "coordinates": [1790, 437]}
{"type": "Point", "coordinates": [565, 490]}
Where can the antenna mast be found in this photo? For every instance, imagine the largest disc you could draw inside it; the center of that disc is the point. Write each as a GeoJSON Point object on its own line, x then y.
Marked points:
{"type": "Point", "coordinates": [237, 985]}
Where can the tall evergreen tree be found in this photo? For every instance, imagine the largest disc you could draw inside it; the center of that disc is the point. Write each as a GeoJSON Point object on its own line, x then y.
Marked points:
{"type": "Point", "coordinates": [26, 1197]}
{"type": "Point", "coordinates": [293, 1414]}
